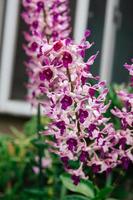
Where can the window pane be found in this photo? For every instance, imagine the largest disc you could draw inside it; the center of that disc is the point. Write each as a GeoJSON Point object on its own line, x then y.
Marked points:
{"type": "Point", "coordinates": [96, 24]}
{"type": "Point", "coordinates": [19, 73]}
{"type": "Point", "coordinates": [124, 42]}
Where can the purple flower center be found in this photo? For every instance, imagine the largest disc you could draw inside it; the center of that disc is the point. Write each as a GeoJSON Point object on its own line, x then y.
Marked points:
{"type": "Point", "coordinates": [33, 93]}
{"type": "Point", "coordinates": [125, 162]}
{"type": "Point", "coordinates": [55, 17]}
{"type": "Point", "coordinates": [66, 102]}
{"type": "Point", "coordinates": [92, 92]}
{"type": "Point", "coordinates": [122, 142]}
{"type": "Point", "coordinates": [83, 80]}
{"type": "Point", "coordinates": [65, 161]}
{"type": "Point", "coordinates": [128, 106]}
{"type": "Point", "coordinates": [87, 33]}
{"type": "Point", "coordinates": [82, 115]}
{"type": "Point", "coordinates": [82, 53]}
{"type": "Point", "coordinates": [55, 34]}
{"type": "Point", "coordinates": [46, 74]}
{"type": "Point", "coordinates": [72, 144]}
{"type": "Point", "coordinates": [35, 24]}
{"type": "Point", "coordinates": [83, 156]}
{"type": "Point", "coordinates": [102, 153]}
{"type": "Point", "coordinates": [131, 80]}
{"type": "Point", "coordinates": [96, 168]}
{"type": "Point", "coordinates": [91, 128]}
{"type": "Point", "coordinates": [61, 126]}
{"type": "Point", "coordinates": [33, 46]}
{"type": "Point", "coordinates": [67, 59]}
{"type": "Point", "coordinates": [76, 179]}
{"type": "Point", "coordinates": [40, 5]}
{"type": "Point", "coordinates": [113, 140]}
{"type": "Point", "coordinates": [58, 45]}
{"type": "Point", "coordinates": [41, 87]}
{"type": "Point", "coordinates": [108, 171]}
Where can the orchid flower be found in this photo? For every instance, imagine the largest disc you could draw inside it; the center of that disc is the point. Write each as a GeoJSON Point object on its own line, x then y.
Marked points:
{"type": "Point", "coordinates": [79, 129]}
{"type": "Point", "coordinates": [48, 19]}
{"type": "Point", "coordinates": [61, 82]}
{"type": "Point", "coordinates": [126, 118]}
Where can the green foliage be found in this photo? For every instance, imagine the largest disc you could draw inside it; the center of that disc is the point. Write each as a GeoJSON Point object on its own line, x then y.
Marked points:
{"type": "Point", "coordinates": [30, 127]}
{"type": "Point", "coordinates": [114, 102]}
{"type": "Point", "coordinates": [17, 154]}
{"type": "Point", "coordinates": [75, 197]}
{"type": "Point", "coordinates": [84, 187]}
{"type": "Point", "coordinates": [103, 193]}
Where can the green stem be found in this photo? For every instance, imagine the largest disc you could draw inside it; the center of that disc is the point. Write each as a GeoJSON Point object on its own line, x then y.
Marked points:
{"type": "Point", "coordinates": [38, 120]}
{"type": "Point", "coordinates": [63, 192]}
{"type": "Point", "coordinates": [109, 180]}
{"type": "Point", "coordinates": [39, 149]}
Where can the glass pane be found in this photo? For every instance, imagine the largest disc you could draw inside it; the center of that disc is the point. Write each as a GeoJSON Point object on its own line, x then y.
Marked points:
{"type": "Point", "coordinates": [124, 43]}
{"type": "Point", "coordinates": [19, 74]}
{"type": "Point", "coordinates": [96, 25]}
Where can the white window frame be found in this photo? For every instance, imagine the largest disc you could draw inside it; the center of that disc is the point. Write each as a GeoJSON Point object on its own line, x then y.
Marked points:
{"type": "Point", "coordinates": [17, 107]}
{"type": "Point", "coordinates": [81, 19]}
{"type": "Point", "coordinates": [109, 39]}
{"type": "Point", "coordinates": [7, 61]}
{"type": "Point", "coordinates": [2, 5]}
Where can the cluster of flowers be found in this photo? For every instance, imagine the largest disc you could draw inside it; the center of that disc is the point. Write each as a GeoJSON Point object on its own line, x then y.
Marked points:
{"type": "Point", "coordinates": [126, 118]}
{"type": "Point", "coordinates": [60, 81]}
{"type": "Point", "coordinates": [81, 132]}
{"type": "Point", "coordinates": [48, 21]}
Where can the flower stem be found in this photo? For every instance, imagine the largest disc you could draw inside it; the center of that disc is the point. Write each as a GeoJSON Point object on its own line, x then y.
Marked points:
{"type": "Point", "coordinates": [63, 192]}
{"type": "Point", "coordinates": [109, 180]}
{"type": "Point", "coordinates": [72, 90]}
{"type": "Point", "coordinates": [39, 149]}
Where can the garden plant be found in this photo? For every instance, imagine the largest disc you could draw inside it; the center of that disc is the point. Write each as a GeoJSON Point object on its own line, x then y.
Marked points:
{"type": "Point", "coordinates": [80, 144]}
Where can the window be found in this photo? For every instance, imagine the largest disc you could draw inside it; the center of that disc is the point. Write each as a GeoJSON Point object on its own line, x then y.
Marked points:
{"type": "Point", "coordinates": [124, 42]}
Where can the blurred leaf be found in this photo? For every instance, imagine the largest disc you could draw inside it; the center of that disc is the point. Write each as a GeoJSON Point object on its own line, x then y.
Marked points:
{"type": "Point", "coordinates": [111, 199]}
{"type": "Point", "coordinates": [45, 120]}
{"type": "Point", "coordinates": [76, 197]}
{"type": "Point", "coordinates": [85, 187]}
{"type": "Point", "coordinates": [39, 143]}
{"type": "Point", "coordinates": [120, 192]}
{"type": "Point", "coordinates": [30, 128]}
{"type": "Point", "coordinates": [103, 193]}
{"type": "Point", "coordinates": [74, 164]}
{"type": "Point", "coordinates": [35, 192]}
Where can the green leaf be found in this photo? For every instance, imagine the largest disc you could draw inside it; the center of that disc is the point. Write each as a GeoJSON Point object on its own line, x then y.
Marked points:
{"type": "Point", "coordinates": [111, 199]}
{"type": "Point", "coordinates": [85, 187]}
{"type": "Point", "coordinates": [39, 143]}
{"type": "Point", "coordinates": [76, 197]}
{"type": "Point", "coordinates": [35, 192]}
{"type": "Point", "coordinates": [103, 193]}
